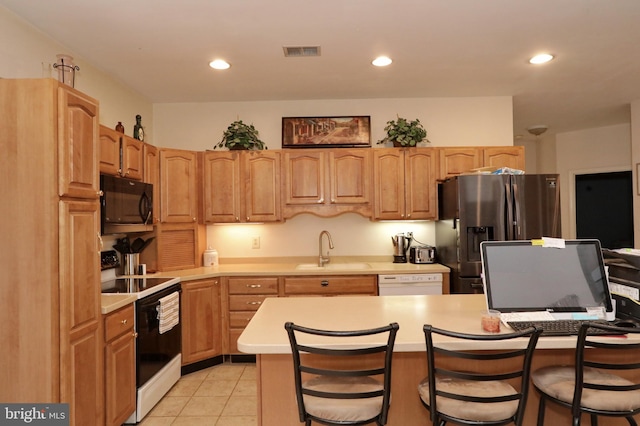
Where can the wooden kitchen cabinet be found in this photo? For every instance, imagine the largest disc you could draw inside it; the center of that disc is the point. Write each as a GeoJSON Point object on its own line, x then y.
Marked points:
{"type": "Point", "coordinates": [332, 285]}
{"type": "Point", "coordinates": [405, 183]}
{"type": "Point", "coordinates": [50, 159]}
{"type": "Point", "coordinates": [327, 182]}
{"type": "Point", "coordinates": [201, 320]}
{"type": "Point", "coordinates": [458, 160]}
{"type": "Point", "coordinates": [241, 186]}
{"type": "Point", "coordinates": [120, 365]}
{"type": "Point", "coordinates": [120, 155]}
{"type": "Point", "coordinates": [242, 298]}
{"type": "Point", "coordinates": [178, 186]}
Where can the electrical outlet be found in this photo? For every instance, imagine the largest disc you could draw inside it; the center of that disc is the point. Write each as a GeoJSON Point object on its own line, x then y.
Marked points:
{"type": "Point", "coordinates": [255, 243]}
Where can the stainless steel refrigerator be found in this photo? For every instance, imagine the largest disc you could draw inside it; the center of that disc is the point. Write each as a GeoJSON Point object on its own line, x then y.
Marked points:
{"type": "Point", "coordinates": [476, 208]}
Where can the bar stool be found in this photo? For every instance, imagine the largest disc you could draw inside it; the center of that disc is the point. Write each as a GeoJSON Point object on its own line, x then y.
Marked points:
{"type": "Point", "coordinates": [329, 390]}
{"type": "Point", "coordinates": [476, 387]}
{"type": "Point", "coordinates": [590, 386]}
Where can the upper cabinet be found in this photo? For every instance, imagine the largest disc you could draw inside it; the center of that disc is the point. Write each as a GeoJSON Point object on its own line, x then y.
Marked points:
{"type": "Point", "coordinates": [458, 160]}
{"type": "Point", "coordinates": [178, 183]}
{"type": "Point", "coordinates": [405, 183]}
{"type": "Point", "coordinates": [241, 186]}
{"type": "Point", "coordinates": [120, 155]}
{"type": "Point", "coordinates": [327, 182]}
{"type": "Point", "coordinates": [77, 153]}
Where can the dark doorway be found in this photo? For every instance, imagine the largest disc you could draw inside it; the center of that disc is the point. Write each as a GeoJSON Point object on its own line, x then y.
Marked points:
{"type": "Point", "coordinates": [604, 208]}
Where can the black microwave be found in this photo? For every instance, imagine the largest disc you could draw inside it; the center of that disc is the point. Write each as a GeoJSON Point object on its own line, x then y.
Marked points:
{"type": "Point", "coordinates": [125, 205]}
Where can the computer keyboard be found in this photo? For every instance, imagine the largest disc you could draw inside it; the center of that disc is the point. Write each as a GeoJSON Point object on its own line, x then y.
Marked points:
{"type": "Point", "coordinates": [560, 327]}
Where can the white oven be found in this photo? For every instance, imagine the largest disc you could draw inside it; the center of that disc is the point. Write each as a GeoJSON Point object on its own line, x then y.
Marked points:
{"type": "Point", "coordinates": [409, 284]}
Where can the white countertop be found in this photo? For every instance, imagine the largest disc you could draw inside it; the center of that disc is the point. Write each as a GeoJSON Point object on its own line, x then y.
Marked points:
{"type": "Point", "coordinates": [265, 334]}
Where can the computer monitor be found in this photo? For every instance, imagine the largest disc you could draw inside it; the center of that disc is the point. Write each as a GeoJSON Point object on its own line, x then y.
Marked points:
{"type": "Point", "coordinates": [528, 275]}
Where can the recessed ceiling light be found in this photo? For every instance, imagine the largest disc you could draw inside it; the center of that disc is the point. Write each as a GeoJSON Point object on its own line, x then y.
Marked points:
{"type": "Point", "coordinates": [381, 61]}
{"type": "Point", "coordinates": [542, 58]}
{"type": "Point", "coordinates": [219, 64]}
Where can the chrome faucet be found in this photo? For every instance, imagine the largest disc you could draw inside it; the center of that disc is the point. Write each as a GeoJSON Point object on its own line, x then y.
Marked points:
{"type": "Point", "coordinates": [322, 260]}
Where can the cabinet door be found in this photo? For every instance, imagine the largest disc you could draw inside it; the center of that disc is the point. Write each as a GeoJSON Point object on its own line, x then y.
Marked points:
{"type": "Point", "coordinates": [179, 246]}
{"type": "Point", "coordinates": [420, 183]}
{"type": "Point", "coordinates": [178, 182]}
{"type": "Point", "coordinates": [110, 144]}
{"type": "Point", "coordinates": [455, 161]}
{"type": "Point", "coordinates": [77, 145]}
{"type": "Point", "coordinates": [221, 187]}
{"type": "Point", "coordinates": [504, 156]}
{"type": "Point", "coordinates": [261, 194]}
{"type": "Point", "coordinates": [151, 169]}
{"type": "Point", "coordinates": [304, 177]}
{"type": "Point", "coordinates": [350, 175]}
{"type": "Point", "coordinates": [132, 158]}
{"type": "Point", "coordinates": [201, 328]}
{"type": "Point", "coordinates": [388, 175]}
{"type": "Point", "coordinates": [120, 366]}
{"type": "Point", "coordinates": [81, 356]}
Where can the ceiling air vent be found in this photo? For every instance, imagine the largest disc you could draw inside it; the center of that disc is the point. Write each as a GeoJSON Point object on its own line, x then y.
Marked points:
{"type": "Point", "coordinates": [296, 51]}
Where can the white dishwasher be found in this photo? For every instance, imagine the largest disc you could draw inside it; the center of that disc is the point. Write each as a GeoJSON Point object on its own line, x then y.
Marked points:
{"type": "Point", "coordinates": [409, 284]}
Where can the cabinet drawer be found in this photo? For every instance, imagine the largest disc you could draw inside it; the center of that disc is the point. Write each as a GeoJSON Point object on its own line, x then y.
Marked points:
{"type": "Point", "coordinates": [240, 319]}
{"type": "Point", "coordinates": [253, 285]}
{"type": "Point", "coordinates": [234, 333]}
{"type": "Point", "coordinates": [250, 302]}
{"type": "Point", "coordinates": [330, 285]}
{"type": "Point", "coordinates": [118, 322]}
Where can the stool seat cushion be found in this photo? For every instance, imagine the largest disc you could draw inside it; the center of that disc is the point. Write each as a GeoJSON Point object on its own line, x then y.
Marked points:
{"type": "Point", "coordinates": [559, 381]}
{"type": "Point", "coordinates": [347, 410]}
{"type": "Point", "coordinates": [478, 411]}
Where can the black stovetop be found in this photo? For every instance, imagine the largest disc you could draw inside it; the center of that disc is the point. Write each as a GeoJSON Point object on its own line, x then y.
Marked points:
{"type": "Point", "coordinates": [131, 285]}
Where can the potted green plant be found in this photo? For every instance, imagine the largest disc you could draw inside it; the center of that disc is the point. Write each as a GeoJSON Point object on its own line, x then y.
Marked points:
{"type": "Point", "coordinates": [404, 133]}
{"type": "Point", "coordinates": [241, 136]}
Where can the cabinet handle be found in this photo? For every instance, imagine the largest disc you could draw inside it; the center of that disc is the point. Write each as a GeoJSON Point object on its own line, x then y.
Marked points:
{"type": "Point", "coordinates": [135, 334]}
{"type": "Point", "coordinates": [321, 200]}
{"type": "Point", "coordinates": [333, 201]}
{"type": "Point", "coordinates": [193, 218]}
{"type": "Point", "coordinates": [254, 303]}
{"type": "Point", "coordinates": [124, 322]}
{"type": "Point", "coordinates": [324, 283]}
{"type": "Point", "coordinates": [100, 243]}
{"type": "Point", "coordinates": [100, 193]}
{"type": "Point", "coordinates": [254, 285]}
{"type": "Point", "coordinates": [237, 219]}
{"type": "Point", "coordinates": [248, 219]}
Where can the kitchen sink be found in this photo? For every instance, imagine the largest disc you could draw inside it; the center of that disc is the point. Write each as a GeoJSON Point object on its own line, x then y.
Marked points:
{"type": "Point", "coordinates": [333, 266]}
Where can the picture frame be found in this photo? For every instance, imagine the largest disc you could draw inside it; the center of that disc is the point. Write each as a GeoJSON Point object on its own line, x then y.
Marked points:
{"type": "Point", "coordinates": [318, 132]}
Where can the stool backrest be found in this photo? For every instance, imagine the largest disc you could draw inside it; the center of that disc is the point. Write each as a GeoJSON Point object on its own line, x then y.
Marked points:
{"type": "Point", "coordinates": [346, 357]}
{"type": "Point", "coordinates": [511, 365]}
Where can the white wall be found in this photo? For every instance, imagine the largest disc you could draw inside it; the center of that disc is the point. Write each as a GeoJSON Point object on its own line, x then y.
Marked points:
{"type": "Point", "coordinates": [599, 150]}
{"type": "Point", "coordinates": [449, 121]}
{"type": "Point", "coordinates": [26, 52]}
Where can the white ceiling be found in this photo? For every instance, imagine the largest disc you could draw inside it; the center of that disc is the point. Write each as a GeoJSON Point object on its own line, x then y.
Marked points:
{"type": "Point", "coordinates": [440, 48]}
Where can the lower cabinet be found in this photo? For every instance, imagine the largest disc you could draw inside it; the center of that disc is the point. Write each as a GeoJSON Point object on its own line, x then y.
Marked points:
{"type": "Point", "coordinates": [333, 285]}
{"type": "Point", "coordinates": [120, 365]}
{"type": "Point", "coordinates": [244, 295]}
{"type": "Point", "coordinates": [201, 331]}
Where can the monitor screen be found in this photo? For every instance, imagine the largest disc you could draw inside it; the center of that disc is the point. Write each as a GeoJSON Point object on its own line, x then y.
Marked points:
{"type": "Point", "coordinates": [527, 276]}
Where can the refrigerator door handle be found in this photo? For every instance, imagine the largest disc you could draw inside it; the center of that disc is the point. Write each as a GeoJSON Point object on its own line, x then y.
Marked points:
{"type": "Point", "coordinates": [517, 229]}
{"type": "Point", "coordinates": [509, 204]}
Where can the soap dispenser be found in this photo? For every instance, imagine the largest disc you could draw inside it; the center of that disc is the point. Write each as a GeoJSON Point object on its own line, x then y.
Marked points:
{"type": "Point", "coordinates": [210, 257]}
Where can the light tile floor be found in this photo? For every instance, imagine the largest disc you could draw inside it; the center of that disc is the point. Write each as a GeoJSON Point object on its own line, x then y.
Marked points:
{"type": "Point", "coordinates": [223, 395]}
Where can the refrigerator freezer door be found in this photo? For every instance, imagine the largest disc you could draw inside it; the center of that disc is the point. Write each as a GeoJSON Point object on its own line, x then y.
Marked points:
{"type": "Point", "coordinates": [536, 206]}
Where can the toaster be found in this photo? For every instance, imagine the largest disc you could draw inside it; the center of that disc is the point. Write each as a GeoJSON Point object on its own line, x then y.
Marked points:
{"type": "Point", "coordinates": [422, 254]}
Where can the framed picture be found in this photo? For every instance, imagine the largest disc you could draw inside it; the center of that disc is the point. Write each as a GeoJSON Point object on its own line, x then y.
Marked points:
{"type": "Point", "coordinates": [315, 132]}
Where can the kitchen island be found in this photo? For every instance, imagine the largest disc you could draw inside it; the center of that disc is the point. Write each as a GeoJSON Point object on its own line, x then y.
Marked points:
{"type": "Point", "coordinates": [265, 336]}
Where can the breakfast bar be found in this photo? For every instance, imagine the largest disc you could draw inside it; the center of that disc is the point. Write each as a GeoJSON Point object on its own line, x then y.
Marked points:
{"type": "Point", "coordinates": [266, 337]}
